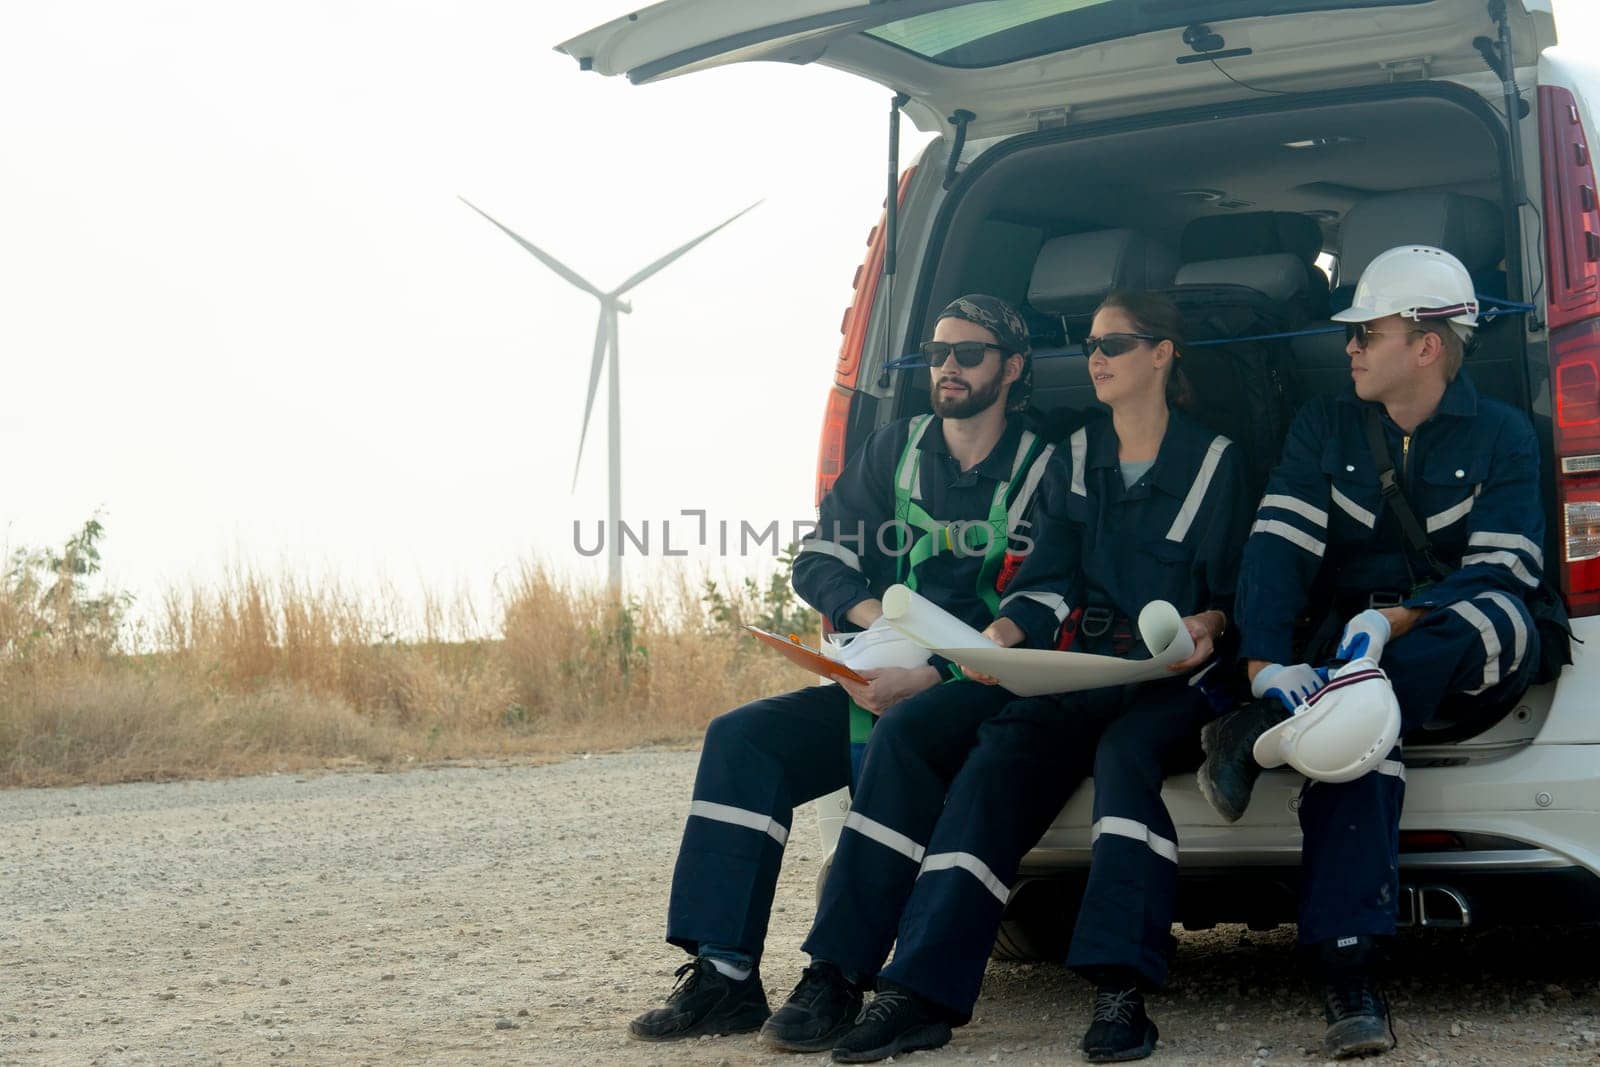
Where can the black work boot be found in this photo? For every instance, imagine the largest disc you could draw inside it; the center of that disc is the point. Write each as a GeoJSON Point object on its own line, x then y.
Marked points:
{"type": "Point", "coordinates": [822, 1007]}
{"type": "Point", "coordinates": [1230, 769]}
{"type": "Point", "coordinates": [896, 1020]}
{"type": "Point", "coordinates": [705, 1001]}
{"type": "Point", "coordinates": [1358, 1017]}
{"type": "Point", "coordinates": [1120, 1030]}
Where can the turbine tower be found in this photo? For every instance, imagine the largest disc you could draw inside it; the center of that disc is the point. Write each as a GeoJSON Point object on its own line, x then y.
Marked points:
{"type": "Point", "coordinates": [605, 341]}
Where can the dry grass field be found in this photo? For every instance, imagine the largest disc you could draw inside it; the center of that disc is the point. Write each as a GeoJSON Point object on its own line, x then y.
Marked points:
{"type": "Point", "coordinates": [275, 673]}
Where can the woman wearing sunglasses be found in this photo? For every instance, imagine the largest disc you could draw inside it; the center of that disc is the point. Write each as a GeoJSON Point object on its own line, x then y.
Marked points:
{"type": "Point", "coordinates": [1156, 510]}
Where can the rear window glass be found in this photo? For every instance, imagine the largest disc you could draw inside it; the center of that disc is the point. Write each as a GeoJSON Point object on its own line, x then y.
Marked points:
{"type": "Point", "coordinates": [1004, 31]}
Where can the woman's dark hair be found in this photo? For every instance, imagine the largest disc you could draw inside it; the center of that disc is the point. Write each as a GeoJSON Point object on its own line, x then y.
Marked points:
{"type": "Point", "coordinates": [1155, 313]}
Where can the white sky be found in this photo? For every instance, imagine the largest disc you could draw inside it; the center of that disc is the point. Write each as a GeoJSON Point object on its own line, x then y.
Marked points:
{"type": "Point", "coordinates": [242, 311]}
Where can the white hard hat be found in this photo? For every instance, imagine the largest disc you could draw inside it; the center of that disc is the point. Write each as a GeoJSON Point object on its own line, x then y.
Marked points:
{"type": "Point", "coordinates": [1418, 282]}
{"type": "Point", "coordinates": [879, 645]}
{"type": "Point", "coordinates": [1343, 731]}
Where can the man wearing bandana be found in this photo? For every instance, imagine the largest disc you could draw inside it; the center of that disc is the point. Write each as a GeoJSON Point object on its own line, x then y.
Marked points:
{"type": "Point", "coordinates": [966, 506]}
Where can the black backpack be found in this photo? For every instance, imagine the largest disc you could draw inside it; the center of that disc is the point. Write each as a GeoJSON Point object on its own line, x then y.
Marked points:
{"type": "Point", "coordinates": [1241, 388]}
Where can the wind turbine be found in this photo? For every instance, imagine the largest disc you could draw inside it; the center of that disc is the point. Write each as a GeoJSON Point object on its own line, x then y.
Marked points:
{"type": "Point", "coordinates": [605, 340]}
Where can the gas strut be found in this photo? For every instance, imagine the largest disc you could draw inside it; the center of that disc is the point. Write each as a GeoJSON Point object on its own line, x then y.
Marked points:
{"type": "Point", "coordinates": [1507, 69]}
{"type": "Point", "coordinates": [891, 227]}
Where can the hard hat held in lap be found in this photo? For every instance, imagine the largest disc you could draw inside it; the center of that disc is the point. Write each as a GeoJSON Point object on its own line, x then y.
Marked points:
{"type": "Point", "coordinates": [1344, 730]}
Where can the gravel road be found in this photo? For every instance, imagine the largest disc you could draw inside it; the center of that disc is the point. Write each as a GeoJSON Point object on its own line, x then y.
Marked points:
{"type": "Point", "coordinates": [513, 915]}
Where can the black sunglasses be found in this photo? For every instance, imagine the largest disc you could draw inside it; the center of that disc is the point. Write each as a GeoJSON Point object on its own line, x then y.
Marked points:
{"type": "Point", "coordinates": [968, 353]}
{"type": "Point", "coordinates": [1359, 333]}
{"type": "Point", "coordinates": [1115, 344]}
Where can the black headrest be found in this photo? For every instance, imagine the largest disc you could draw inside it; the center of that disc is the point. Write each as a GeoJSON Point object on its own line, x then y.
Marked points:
{"type": "Point", "coordinates": [1280, 277]}
{"type": "Point", "coordinates": [1254, 233]}
{"type": "Point", "coordinates": [1074, 273]}
{"type": "Point", "coordinates": [1469, 228]}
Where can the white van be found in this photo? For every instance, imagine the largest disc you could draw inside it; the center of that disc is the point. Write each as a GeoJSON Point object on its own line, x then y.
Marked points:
{"type": "Point", "coordinates": [1224, 147]}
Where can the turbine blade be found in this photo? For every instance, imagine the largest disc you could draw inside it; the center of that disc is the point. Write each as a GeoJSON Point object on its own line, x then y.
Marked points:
{"type": "Point", "coordinates": [602, 340]}
{"type": "Point", "coordinates": [542, 256]}
{"type": "Point", "coordinates": [676, 252]}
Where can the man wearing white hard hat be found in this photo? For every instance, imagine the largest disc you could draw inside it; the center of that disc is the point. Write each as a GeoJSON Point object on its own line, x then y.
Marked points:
{"type": "Point", "coordinates": [1407, 512]}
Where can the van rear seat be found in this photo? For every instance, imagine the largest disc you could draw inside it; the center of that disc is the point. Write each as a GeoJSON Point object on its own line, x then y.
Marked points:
{"type": "Point", "coordinates": [1263, 233]}
{"type": "Point", "coordinates": [1071, 275]}
{"type": "Point", "coordinates": [1239, 390]}
{"type": "Point", "coordinates": [1470, 228]}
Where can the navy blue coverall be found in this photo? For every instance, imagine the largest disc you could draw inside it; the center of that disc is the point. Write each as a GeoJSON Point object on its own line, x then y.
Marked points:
{"type": "Point", "coordinates": [1471, 475]}
{"type": "Point", "coordinates": [937, 886]}
{"type": "Point", "coordinates": [762, 760]}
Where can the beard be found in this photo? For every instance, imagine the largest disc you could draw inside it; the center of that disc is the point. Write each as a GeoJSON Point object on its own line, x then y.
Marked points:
{"type": "Point", "coordinates": [974, 402]}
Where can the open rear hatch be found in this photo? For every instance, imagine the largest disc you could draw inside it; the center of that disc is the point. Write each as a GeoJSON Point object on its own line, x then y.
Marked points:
{"type": "Point", "coordinates": [1018, 65]}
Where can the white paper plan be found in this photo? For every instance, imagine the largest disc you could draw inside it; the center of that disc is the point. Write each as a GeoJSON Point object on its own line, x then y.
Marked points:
{"type": "Point", "coordinates": [1030, 672]}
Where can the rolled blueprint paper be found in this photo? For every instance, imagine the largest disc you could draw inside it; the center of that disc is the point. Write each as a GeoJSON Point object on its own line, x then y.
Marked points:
{"type": "Point", "coordinates": [929, 625]}
{"type": "Point", "coordinates": [1164, 633]}
{"type": "Point", "coordinates": [1034, 671]}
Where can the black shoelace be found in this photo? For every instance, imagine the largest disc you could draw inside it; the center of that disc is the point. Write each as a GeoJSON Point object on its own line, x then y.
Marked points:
{"type": "Point", "coordinates": [813, 986]}
{"type": "Point", "coordinates": [686, 977]}
{"type": "Point", "coordinates": [1115, 1006]}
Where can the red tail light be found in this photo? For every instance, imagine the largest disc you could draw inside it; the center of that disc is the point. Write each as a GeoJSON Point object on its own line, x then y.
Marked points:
{"type": "Point", "coordinates": [1571, 211]}
{"type": "Point", "coordinates": [1572, 280]}
{"type": "Point", "coordinates": [1429, 841]}
{"type": "Point", "coordinates": [836, 418]}
{"type": "Point", "coordinates": [830, 452]}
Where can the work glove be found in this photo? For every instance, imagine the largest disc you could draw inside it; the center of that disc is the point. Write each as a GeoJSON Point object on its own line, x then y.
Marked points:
{"type": "Point", "coordinates": [1364, 635]}
{"type": "Point", "coordinates": [1292, 685]}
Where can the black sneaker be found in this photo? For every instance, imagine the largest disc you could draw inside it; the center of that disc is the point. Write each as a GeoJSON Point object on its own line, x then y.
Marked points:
{"type": "Point", "coordinates": [1358, 1017]}
{"type": "Point", "coordinates": [822, 1007]}
{"type": "Point", "coordinates": [705, 1001]}
{"type": "Point", "coordinates": [1230, 769]}
{"type": "Point", "coordinates": [896, 1020]}
{"type": "Point", "coordinates": [1120, 1029]}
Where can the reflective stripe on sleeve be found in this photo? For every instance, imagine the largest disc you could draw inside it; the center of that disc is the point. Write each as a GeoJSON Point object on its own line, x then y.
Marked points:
{"type": "Point", "coordinates": [966, 861]}
{"type": "Point", "coordinates": [829, 548]}
{"type": "Point", "coordinates": [752, 820]}
{"type": "Point", "coordinates": [1285, 502]}
{"type": "Point", "coordinates": [1517, 542]}
{"type": "Point", "coordinates": [1509, 560]}
{"type": "Point", "coordinates": [1291, 535]}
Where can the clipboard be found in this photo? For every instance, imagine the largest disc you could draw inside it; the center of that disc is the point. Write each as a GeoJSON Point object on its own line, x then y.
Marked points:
{"type": "Point", "coordinates": [791, 649]}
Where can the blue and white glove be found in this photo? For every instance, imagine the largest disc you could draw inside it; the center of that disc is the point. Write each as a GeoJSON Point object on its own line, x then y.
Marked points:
{"type": "Point", "coordinates": [1364, 635]}
{"type": "Point", "coordinates": [1292, 685]}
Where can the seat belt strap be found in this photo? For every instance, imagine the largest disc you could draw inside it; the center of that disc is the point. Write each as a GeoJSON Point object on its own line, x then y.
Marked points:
{"type": "Point", "coordinates": [1395, 498]}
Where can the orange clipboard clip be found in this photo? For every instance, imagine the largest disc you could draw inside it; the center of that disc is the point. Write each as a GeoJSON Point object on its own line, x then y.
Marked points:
{"type": "Point", "coordinates": [791, 649]}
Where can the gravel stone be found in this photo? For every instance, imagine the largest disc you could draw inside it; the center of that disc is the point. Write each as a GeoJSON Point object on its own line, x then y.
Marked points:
{"type": "Point", "coordinates": [546, 886]}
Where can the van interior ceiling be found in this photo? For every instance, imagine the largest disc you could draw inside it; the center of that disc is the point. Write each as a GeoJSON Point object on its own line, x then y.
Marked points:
{"type": "Point", "coordinates": [1311, 164]}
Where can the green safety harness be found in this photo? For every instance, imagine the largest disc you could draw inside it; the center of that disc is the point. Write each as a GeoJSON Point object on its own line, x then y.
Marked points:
{"type": "Point", "coordinates": [990, 536]}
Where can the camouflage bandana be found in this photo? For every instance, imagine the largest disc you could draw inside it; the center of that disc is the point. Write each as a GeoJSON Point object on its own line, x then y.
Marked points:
{"type": "Point", "coordinates": [1010, 333]}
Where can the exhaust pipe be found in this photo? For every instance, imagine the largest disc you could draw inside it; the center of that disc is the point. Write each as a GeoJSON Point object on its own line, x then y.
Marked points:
{"type": "Point", "coordinates": [1433, 907]}
{"type": "Point", "coordinates": [1441, 908]}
